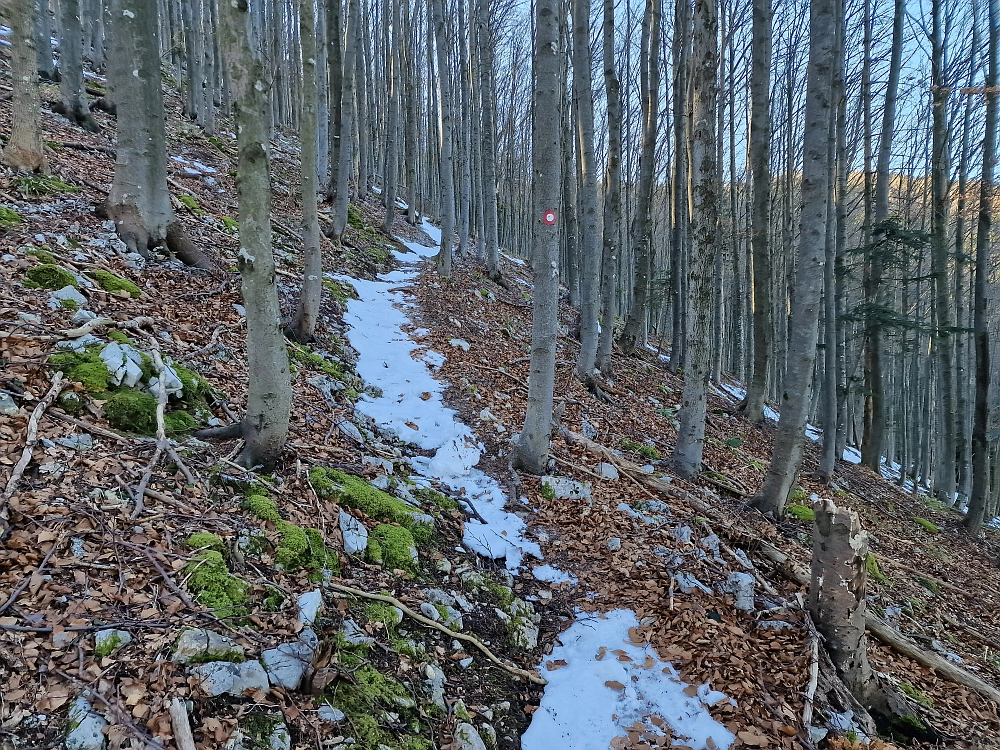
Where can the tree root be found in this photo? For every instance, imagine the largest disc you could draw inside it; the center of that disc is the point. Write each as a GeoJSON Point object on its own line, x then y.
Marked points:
{"type": "Point", "coordinates": [516, 671]}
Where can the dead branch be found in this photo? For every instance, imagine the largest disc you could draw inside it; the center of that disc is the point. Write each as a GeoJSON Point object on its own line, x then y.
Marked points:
{"type": "Point", "coordinates": [181, 726]}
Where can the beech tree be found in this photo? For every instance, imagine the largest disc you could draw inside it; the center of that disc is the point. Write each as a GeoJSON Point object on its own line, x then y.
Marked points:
{"type": "Point", "coordinates": [73, 102]}
{"type": "Point", "coordinates": [612, 195]}
{"type": "Point", "coordinates": [25, 150]}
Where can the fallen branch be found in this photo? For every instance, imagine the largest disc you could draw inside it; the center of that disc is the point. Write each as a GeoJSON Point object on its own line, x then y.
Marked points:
{"type": "Point", "coordinates": [29, 445]}
{"type": "Point", "coordinates": [523, 673]}
{"type": "Point", "coordinates": [88, 327]}
{"type": "Point", "coordinates": [181, 726]}
{"type": "Point", "coordinates": [93, 428]}
{"type": "Point", "coordinates": [807, 709]}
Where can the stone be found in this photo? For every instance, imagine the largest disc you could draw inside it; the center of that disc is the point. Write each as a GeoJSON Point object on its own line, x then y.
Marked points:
{"type": "Point", "coordinates": [82, 316]}
{"type": "Point", "coordinates": [349, 429]}
{"type": "Point", "coordinates": [682, 534]}
{"type": "Point", "coordinates": [614, 544]}
{"type": "Point", "coordinates": [379, 463]}
{"type": "Point", "coordinates": [201, 645]}
{"type": "Point", "coordinates": [741, 586]}
{"type": "Point", "coordinates": [329, 713]}
{"type": "Point", "coordinates": [78, 344]}
{"type": "Point", "coordinates": [452, 618]}
{"type": "Point", "coordinates": [688, 583]}
{"type": "Point", "coordinates": [467, 738]}
{"type": "Point", "coordinates": [523, 624]}
{"type": "Point", "coordinates": [124, 363]}
{"type": "Point", "coordinates": [437, 596]}
{"type": "Point", "coordinates": [465, 663]}
{"type": "Point", "coordinates": [443, 566]}
{"type": "Point", "coordinates": [430, 611]}
{"type": "Point", "coordinates": [606, 470]}
{"type": "Point", "coordinates": [7, 405]}
{"type": "Point", "coordinates": [434, 678]}
{"type": "Point", "coordinates": [567, 489]}
{"type": "Point", "coordinates": [108, 641]}
{"type": "Point", "coordinates": [66, 294]}
{"type": "Point", "coordinates": [487, 416]}
{"type": "Point", "coordinates": [488, 733]}
{"type": "Point", "coordinates": [328, 387]}
{"type": "Point", "coordinates": [216, 677]}
{"type": "Point", "coordinates": [588, 430]}
{"type": "Point", "coordinates": [87, 731]}
{"type": "Point", "coordinates": [310, 603]}
{"type": "Point", "coordinates": [280, 739]}
{"type": "Point", "coordinates": [30, 318]}
{"type": "Point", "coordinates": [649, 468]}
{"type": "Point", "coordinates": [354, 532]}
{"type": "Point", "coordinates": [252, 676]}
{"type": "Point", "coordinates": [774, 625]}
{"type": "Point", "coordinates": [79, 442]}
{"type": "Point", "coordinates": [287, 664]}
{"type": "Point", "coordinates": [460, 344]}
{"type": "Point", "coordinates": [463, 604]}
{"type": "Point", "coordinates": [354, 634]}
{"type": "Point", "coordinates": [171, 382]}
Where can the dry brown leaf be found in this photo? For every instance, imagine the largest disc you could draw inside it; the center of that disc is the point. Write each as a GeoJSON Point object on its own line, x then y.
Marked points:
{"type": "Point", "coordinates": [614, 685]}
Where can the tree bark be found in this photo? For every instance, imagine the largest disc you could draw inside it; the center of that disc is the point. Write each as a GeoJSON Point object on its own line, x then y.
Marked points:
{"type": "Point", "coordinates": [335, 73]}
{"type": "Point", "coordinates": [73, 104]}
{"type": "Point", "coordinates": [25, 149]}
{"type": "Point", "coordinates": [532, 448]}
{"type": "Point", "coordinates": [687, 456]}
{"type": "Point", "coordinates": [342, 199]}
{"type": "Point", "coordinates": [612, 196]}
{"type": "Point", "coordinates": [390, 178]}
{"type": "Point", "coordinates": [265, 425]}
{"type": "Point", "coordinates": [787, 453]}
{"type": "Point", "coordinates": [447, 218]}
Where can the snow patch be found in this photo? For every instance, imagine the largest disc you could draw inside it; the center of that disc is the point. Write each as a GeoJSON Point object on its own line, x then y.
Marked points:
{"type": "Point", "coordinates": [552, 574]}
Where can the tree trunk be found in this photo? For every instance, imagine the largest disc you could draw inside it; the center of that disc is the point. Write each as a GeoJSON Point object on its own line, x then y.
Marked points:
{"type": "Point", "coordinates": [43, 41]}
{"type": "Point", "coordinates": [389, 179]}
{"type": "Point", "coordinates": [265, 425]}
{"type": "Point", "coordinates": [311, 293]}
{"type": "Point", "coordinates": [447, 218]}
{"type": "Point", "coordinates": [361, 115]}
{"type": "Point", "coordinates": [73, 104]}
{"type": "Point", "coordinates": [25, 149]}
{"type": "Point", "coordinates": [590, 254]}
{"type": "Point", "coordinates": [342, 198]}
{"type": "Point", "coordinates": [980, 445]}
{"type": "Point", "coordinates": [612, 197]}
{"type": "Point", "coordinates": [464, 134]}
{"type": "Point", "coordinates": [532, 449]}
{"type": "Point", "coordinates": [335, 63]}
{"type": "Point", "coordinates": [687, 456]}
{"type": "Point", "coordinates": [787, 453]}
{"type": "Point", "coordinates": [635, 325]}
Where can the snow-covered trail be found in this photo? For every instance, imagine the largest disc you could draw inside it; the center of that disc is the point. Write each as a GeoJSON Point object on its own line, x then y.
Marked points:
{"type": "Point", "coordinates": [581, 708]}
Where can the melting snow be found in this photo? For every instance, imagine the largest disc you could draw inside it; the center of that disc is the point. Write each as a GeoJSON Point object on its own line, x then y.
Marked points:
{"type": "Point", "coordinates": [579, 711]}
{"type": "Point", "coordinates": [552, 574]}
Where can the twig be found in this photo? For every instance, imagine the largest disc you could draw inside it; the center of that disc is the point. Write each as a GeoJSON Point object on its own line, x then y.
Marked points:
{"type": "Point", "coordinates": [29, 444]}
{"type": "Point", "coordinates": [27, 581]}
{"type": "Point", "coordinates": [807, 709]}
{"type": "Point", "coordinates": [537, 679]}
{"type": "Point", "coordinates": [161, 432]}
{"type": "Point", "coordinates": [88, 327]}
{"type": "Point", "coordinates": [255, 477]}
{"type": "Point", "coordinates": [93, 428]}
{"type": "Point", "coordinates": [502, 372]}
{"type": "Point", "coordinates": [167, 580]}
{"type": "Point", "coordinates": [181, 726]}
{"type": "Point", "coordinates": [87, 628]}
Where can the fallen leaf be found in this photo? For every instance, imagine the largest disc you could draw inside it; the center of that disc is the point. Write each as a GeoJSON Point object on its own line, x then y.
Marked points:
{"type": "Point", "coordinates": [557, 664]}
{"type": "Point", "coordinates": [602, 653]}
{"type": "Point", "coordinates": [614, 685]}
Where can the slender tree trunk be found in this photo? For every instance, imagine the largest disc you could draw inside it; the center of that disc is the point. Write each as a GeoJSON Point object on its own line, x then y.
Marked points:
{"type": "Point", "coordinates": [443, 46]}
{"type": "Point", "coordinates": [390, 179]}
{"type": "Point", "coordinates": [73, 104]}
{"type": "Point", "coordinates": [487, 93]}
{"type": "Point", "coordinates": [681, 219]}
{"type": "Point", "coordinates": [43, 41]}
{"type": "Point", "coordinates": [265, 425]}
{"type": "Point", "coordinates": [311, 293]}
{"type": "Point", "coordinates": [25, 149]}
{"type": "Point", "coordinates": [532, 450]}
{"type": "Point", "coordinates": [335, 63]}
{"type": "Point", "coordinates": [687, 456]}
{"type": "Point", "coordinates": [760, 208]}
{"type": "Point", "coordinates": [794, 404]}
{"type": "Point", "coordinates": [364, 137]}
{"type": "Point", "coordinates": [980, 445]}
{"type": "Point", "coordinates": [612, 196]}
{"type": "Point", "coordinates": [343, 197]}
{"type": "Point", "coordinates": [464, 134]}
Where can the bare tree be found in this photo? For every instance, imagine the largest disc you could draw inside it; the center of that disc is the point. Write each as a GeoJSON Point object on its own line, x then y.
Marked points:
{"type": "Point", "coordinates": [73, 103]}
{"type": "Point", "coordinates": [344, 169]}
{"type": "Point", "coordinates": [25, 149]}
{"type": "Point", "coordinates": [612, 196]}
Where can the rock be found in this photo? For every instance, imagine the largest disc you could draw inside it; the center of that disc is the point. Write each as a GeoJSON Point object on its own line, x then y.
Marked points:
{"type": "Point", "coordinates": [287, 663]}
{"type": "Point", "coordinates": [443, 566]}
{"type": "Point", "coordinates": [354, 532]}
{"type": "Point", "coordinates": [774, 625]}
{"type": "Point", "coordinates": [649, 468]}
{"type": "Point", "coordinates": [614, 544]}
{"type": "Point", "coordinates": [329, 713]}
{"type": "Point", "coordinates": [171, 382]}
{"type": "Point", "coordinates": [67, 294]}
{"type": "Point", "coordinates": [488, 733]}
{"type": "Point", "coordinates": [434, 678]}
{"type": "Point", "coordinates": [460, 344]}
{"type": "Point", "coordinates": [7, 405]}
{"type": "Point", "coordinates": [216, 677]}
{"type": "Point", "coordinates": [310, 603]}
{"type": "Point", "coordinates": [588, 430]}
{"type": "Point", "coordinates": [355, 635]}
{"type": "Point", "coordinates": [280, 739]}
{"type": "Point", "coordinates": [125, 365]}
{"type": "Point", "coordinates": [463, 604]}
{"type": "Point", "coordinates": [567, 489]}
{"type": "Point", "coordinates": [467, 738]}
{"type": "Point", "coordinates": [31, 318]}
{"type": "Point", "coordinates": [379, 463]}
{"type": "Point", "coordinates": [660, 551]}
{"type": "Point", "coordinates": [200, 645]}
{"type": "Point", "coordinates": [452, 618]}
{"type": "Point", "coordinates": [328, 387]}
{"type": "Point", "coordinates": [430, 611]}
{"type": "Point", "coordinates": [79, 442]}
{"type": "Point", "coordinates": [437, 596]}
{"type": "Point", "coordinates": [460, 710]}
{"type": "Point", "coordinates": [108, 641]}
{"type": "Point", "coordinates": [348, 428]}
{"type": "Point", "coordinates": [688, 583]}
{"type": "Point", "coordinates": [523, 624]}
{"type": "Point", "coordinates": [711, 543]}
{"type": "Point", "coordinates": [682, 534]}
{"type": "Point", "coordinates": [465, 663]}
{"type": "Point", "coordinates": [82, 316]}
{"type": "Point", "coordinates": [78, 344]}
{"type": "Point", "coordinates": [487, 416]}
{"type": "Point", "coordinates": [741, 586]}
{"type": "Point", "coordinates": [88, 725]}
{"type": "Point", "coordinates": [606, 470]}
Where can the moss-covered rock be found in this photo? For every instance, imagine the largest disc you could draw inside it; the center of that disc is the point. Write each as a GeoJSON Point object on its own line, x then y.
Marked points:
{"type": "Point", "coordinates": [365, 701]}
{"type": "Point", "coordinates": [205, 540]}
{"type": "Point", "coordinates": [428, 495]}
{"type": "Point", "coordinates": [49, 276]}
{"type": "Point", "coordinates": [84, 367]}
{"type": "Point", "coordinates": [393, 547]}
{"type": "Point", "coordinates": [354, 492]}
{"type": "Point", "coordinates": [43, 255]}
{"type": "Point", "coordinates": [209, 579]}
{"type": "Point", "coordinates": [178, 422]}
{"type": "Point", "coordinates": [263, 507]}
{"type": "Point", "coordinates": [9, 217]}
{"type": "Point", "coordinates": [304, 356]}
{"type": "Point", "coordinates": [71, 402]}
{"type": "Point", "coordinates": [132, 411]}
{"type": "Point", "coordinates": [303, 549]}
{"type": "Point", "coordinates": [109, 282]}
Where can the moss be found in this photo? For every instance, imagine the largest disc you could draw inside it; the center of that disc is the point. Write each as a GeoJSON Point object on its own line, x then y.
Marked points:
{"type": "Point", "coordinates": [916, 695]}
{"type": "Point", "coordinates": [548, 491]}
{"type": "Point", "coordinates": [230, 224]}
{"type": "Point", "coordinates": [210, 579]}
{"type": "Point", "coordinates": [263, 507]}
{"type": "Point", "coordinates": [257, 730]}
{"type": "Point", "coordinates": [121, 338]}
{"type": "Point", "coordinates": [71, 403]}
{"type": "Point", "coordinates": [107, 646]}
{"type": "Point", "coordinates": [303, 549]}
{"type": "Point", "coordinates": [177, 422]}
{"type": "Point", "coordinates": [147, 366]}
{"type": "Point", "coordinates": [340, 290]}
{"type": "Point", "coordinates": [196, 388]}
{"type": "Point", "coordinates": [871, 566]}
{"type": "Point", "coordinates": [84, 367]}
{"type": "Point", "coordinates": [643, 450]}
{"type": "Point", "coordinates": [354, 492]}
{"type": "Point", "coordinates": [364, 699]}
{"type": "Point", "coordinates": [801, 512]}
{"type": "Point", "coordinates": [383, 613]}
{"type": "Point", "coordinates": [190, 203]}
{"type": "Point", "coordinates": [9, 217]}
{"type": "Point", "coordinates": [49, 276]}
{"type": "Point", "coordinates": [391, 546]}
{"type": "Point", "coordinates": [908, 726]}
{"type": "Point", "coordinates": [205, 540]}
{"type": "Point", "coordinates": [42, 255]}
{"type": "Point", "coordinates": [309, 359]}
{"type": "Point", "coordinates": [133, 411]}
{"type": "Point", "coordinates": [69, 304]}
{"type": "Point", "coordinates": [927, 525]}
{"type": "Point", "coordinates": [111, 283]}
{"type": "Point", "coordinates": [36, 184]}
{"type": "Point", "coordinates": [930, 584]}
{"type": "Point", "coordinates": [273, 600]}
{"type": "Point", "coordinates": [427, 495]}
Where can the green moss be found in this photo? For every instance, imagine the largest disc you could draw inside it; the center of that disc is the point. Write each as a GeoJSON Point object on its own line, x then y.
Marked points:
{"type": "Point", "coordinates": [309, 359]}
{"type": "Point", "coordinates": [916, 695]}
{"type": "Point", "coordinates": [643, 450]}
{"type": "Point", "coordinates": [111, 283]}
{"type": "Point", "coordinates": [427, 495]}
{"type": "Point", "coordinates": [37, 184]}
{"type": "Point", "coordinates": [147, 366]}
{"type": "Point", "coordinates": [258, 729]}
{"type": "Point", "coordinates": [340, 290]}
{"type": "Point", "coordinates": [871, 566]}
{"type": "Point", "coordinates": [107, 646]}
{"type": "Point", "coordinates": [133, 411]}
{"type": "Point", "coordinates": [548, 491]}
{"type": "Point", "coordinates": [383, 613]}
{"type": "Point", "coordinates": [196, 388]}
{"type": "Point", "coordinates": [69, 304]}
{"type": "Point", "coordinates": [391, 546]}
{"type": "Point", "coordinates": [190, 202]}
{"type": "Point", "coordinates": [210, 579]}
{"type": "Point", "coordinates": [205, 539]}
{"type": "Point", "coordinates": [908, 726]}
{"type": "Point", "coordinates": [9, 217]}
{"type": "Point", "coordinates": [930, 584]}
{"type": "Point", "coordinates": [230, 224]}
{"type": "Point", "coordinates": [354, 492]}
{"type": "Point", "coordinates": [71, 402]}
{"type": "Point", "coordinates": [303, 549]}
{"type": "Point", "coordinates": [121, 338]}
{"type": "Point", "coordinates": [43, 255]}
{"type": "Point", "coordinates": [273, 600]}
{"type": "Point", "coordinates": [49, 276]}
{"type": "Point", "coordinates": [927, 525]}
{"type": "Point", "coordinates": [801, 512]}
{"type": "Point", "coordinates": [84, 367]}
{"type": "Point", "coordinates": [263, 507]}
{"type": "Point", "coordinates": [365, 699]}
{"type": "Point", "coordinates": [177, 422]}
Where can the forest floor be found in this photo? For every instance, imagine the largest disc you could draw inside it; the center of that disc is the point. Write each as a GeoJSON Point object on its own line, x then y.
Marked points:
{"type": "Point", "coordinates": [608, 590]}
